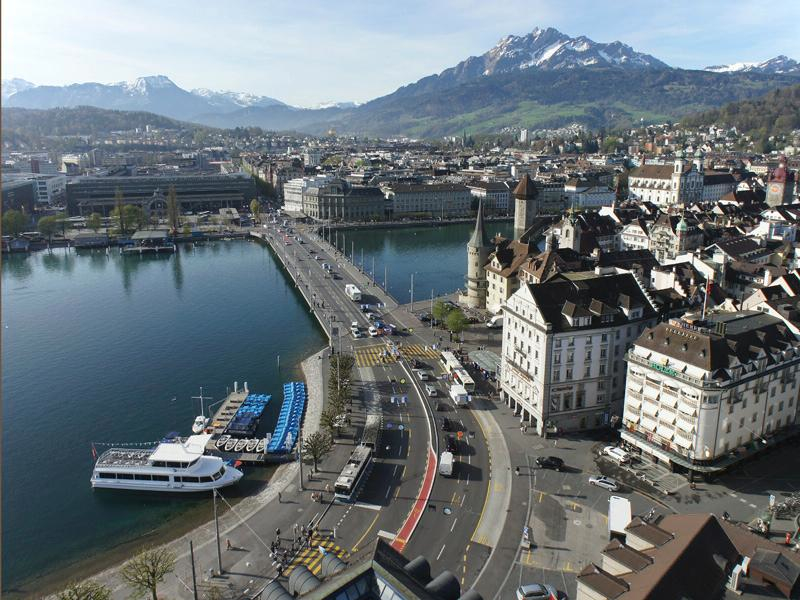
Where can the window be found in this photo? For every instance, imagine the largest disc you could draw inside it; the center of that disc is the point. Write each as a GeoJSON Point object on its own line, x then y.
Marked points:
{"type": "Point", "coordinates": [570, 357]}
{"type": "Point", "coordinates": [741, 422]}
{"type": "Point", "coordinates": [728, 427]}
{"type": "Point", "coordinates": [187, 479]}
{"type": "Point", "coordinates": [124, 475]}
{"type": "Point", "coordinates": [160, 478]}
{"type": "Point", "coordinates": [602, 369]}
{"type": "Point", "coordinates": [587, 372]}
{"type": "Point", "coordinates": [107, 475]}
{"type": "Point", "coordinates": [557, 359]}
{"type": "Point", "coordinates": [769, 411]}
{"type": "Point", "coordinates": [579, 399]}
{"type": "Point", "coordinates": [780, 405]}
{"type": "Point", "coordinates": [142, 477]}
{"type": "Point", "coordinates": [556, 375]}
{"type": "Point", "coordinates": [588, 356]}
{"type": "Point", "coordinates": [754, 417]}
{"type": "Point", "coordinates": [567, 401]}
{"type": "Point", "coordinates": [603, 353]}
{"type": "Point", "coordinates": [569, 375]}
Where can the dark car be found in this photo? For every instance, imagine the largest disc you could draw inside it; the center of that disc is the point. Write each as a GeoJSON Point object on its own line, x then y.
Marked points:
{"type": "Point", "coordinates": [442, 406]}
{"type": "Point", "coordinates": [450, 443]}
{"type": "Point", "coordinates": [424, 317]}
{"type": "Point", "coordinates": [549, 462]}
{"type": "Point", "coordinates": [446, 424]}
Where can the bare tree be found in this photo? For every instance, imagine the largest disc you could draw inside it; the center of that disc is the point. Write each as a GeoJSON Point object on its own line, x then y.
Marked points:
{"type": "Point", "coordinates": [316, 446]}
{"type": "Point", "coordinates": [85, 590]}
{"type": "Point", "coordinates": [147, 569]}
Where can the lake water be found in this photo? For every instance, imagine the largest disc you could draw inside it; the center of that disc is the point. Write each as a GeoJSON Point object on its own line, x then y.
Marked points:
{"type": "Point", "coordinates": [104, 348]}
{"type": "Point", "coordinates": [436, 255]}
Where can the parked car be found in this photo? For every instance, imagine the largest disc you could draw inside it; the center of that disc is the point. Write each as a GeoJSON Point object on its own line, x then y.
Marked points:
{"type": "Point", "coordinates": [424, 317]}
{"type": "Point", "coordinates": [442, 406]}
{"type": "Point", "coordinates": [617, 454]}
{"type": "Point", "coordinates": [431, 391]}
{"type": "Point", "coordinates": [537, 591]}
{"type": "Point", "coordinates": [549, 462]}
{"type": "Point", "coordinates": [373, 332]}
{"type": "Point", "coordinates": [604, 482]}
{"type": "Point", "coordinates": [446, 424]}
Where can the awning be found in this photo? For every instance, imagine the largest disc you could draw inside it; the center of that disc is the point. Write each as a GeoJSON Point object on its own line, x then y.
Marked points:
{"type": "Point", "coordinates": [633, 402]}
{"type": "Point", "coordinates": [486, 360]}
{"type": "Point", "coordinates": [686, 425]}
{"type": "Point", "coordinates": [650, 409]}
{"type": "Point", "coordinates": [665, 431]}
{"type": "Point", "coordinates": [648, 423]}
{"type": "Point", "coordinates": [682, 442]}
{"type": "Point", "coordinates": [651, 392]}
{"type": "Point", "coordinates": [686, 409]}
{"type": "Point", "coordinates": [668, 400]}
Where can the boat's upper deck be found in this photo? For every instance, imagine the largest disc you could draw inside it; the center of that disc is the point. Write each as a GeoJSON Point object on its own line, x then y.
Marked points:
{"type": "Point", "coordinates": [119, 457]}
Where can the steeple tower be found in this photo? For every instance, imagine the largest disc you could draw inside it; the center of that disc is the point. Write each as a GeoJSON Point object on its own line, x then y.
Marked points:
{"type": "Point", "coordinates": [477, 254]}
{"type": "Point", "coordinates": [526, 205]}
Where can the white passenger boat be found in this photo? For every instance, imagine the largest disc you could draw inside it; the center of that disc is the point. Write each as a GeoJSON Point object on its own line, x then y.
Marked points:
{"type": "Point", "coordinates": [199, 424]}
{"type": "Point", "coordinates": [175, 466]}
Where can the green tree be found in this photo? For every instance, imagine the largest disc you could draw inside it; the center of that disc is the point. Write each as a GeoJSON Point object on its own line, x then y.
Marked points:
{"type": "Point", "coordinates": [14, 222]}
{"type": "Point", "coordinates": [119, 209]}
{"type": "Point", "coordinates": [173, 209]}
{"type": "Point", "coordinates": [440, 310]}
{"type": "Point", "coordinates": [63, 221]}
{"type": "Point", "coordinates": [134, 217]}
{"type": "Point", "coordinates": [85, 590]}
{"type": "Point", "coordinates": [94, 221]}
{"type": "Point", "coordinates": [316, 446]}
{"type": "Point", "coordinates": [255, 208]}
{"type": "Point", "coordinates": [456, 321]}
{"type": "Point", "coordinates": [147, 569]}
{"type": "Point", "coordinates": [48, 226]}
{"type": "Point", "coordinates": [332, 419]}
{"type": "Point", "coordinates": [187, 231]}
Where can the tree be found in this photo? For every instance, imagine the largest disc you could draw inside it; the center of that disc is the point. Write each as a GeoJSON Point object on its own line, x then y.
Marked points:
{"type": "Point", "coordinates": [119, 209]}
{"type": "Point", "coordinates": [48, 226]}
{"type": "Point", "coordinates": [255, 208]}
{"type": "Point", "coordinates": [94, 221]}
{"type": "Point", "coordinates": [440, 310]}
{"type": "Point", "coordinates": [85, 590]}
{"type": "Point", "coordinates": [316, 446]}
{"type": "Point", "coordinates": [63, 221]}
{"type": "Point", "coordinates": [332, 419]}
{"type": "Point", "coordinates": [134, 217]}
{"type": "Point", "coordinates": [173, 209]}
{"type": "Point", "coordinates": [147, 569]}
{"type": "Point", "coordinates": [14, 222]}
{"type": "Point", "coordinates": [456, 321]}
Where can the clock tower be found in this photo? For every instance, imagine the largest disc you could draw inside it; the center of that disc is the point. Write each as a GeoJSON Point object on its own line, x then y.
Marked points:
{"type": "Point", "coordinates": [780, 185]}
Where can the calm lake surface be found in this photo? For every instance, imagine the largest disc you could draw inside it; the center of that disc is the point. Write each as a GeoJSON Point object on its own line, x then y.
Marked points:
{"type": "Point", "coordinates": [104, 348]}
{"type": "Point", "coordinates": [436, 255]}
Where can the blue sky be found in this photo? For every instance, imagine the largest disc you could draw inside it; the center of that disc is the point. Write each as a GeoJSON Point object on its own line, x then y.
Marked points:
{"type": "Point", "coordinates": [306, 52]}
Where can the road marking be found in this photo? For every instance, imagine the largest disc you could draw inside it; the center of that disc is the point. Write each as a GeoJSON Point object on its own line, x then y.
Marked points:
{"type": "Point", "coordinates": [453, 525]}
{"type": "Point", "coordinates": [453, 499]}
{"type": "Point", "coordinates": [440, 552]}
{"type": "Point", "coordinates": [367, 506]}
{"type": "Point", "coordinates": [752, 505]}
{"type": "Point", "coordinates": [371, 525]}
{"type": "Point", "coordinates": [742, 500]}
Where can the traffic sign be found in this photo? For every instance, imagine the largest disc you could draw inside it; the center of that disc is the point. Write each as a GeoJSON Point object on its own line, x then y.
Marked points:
{"type": "Point", "coordinates": [460, 435]}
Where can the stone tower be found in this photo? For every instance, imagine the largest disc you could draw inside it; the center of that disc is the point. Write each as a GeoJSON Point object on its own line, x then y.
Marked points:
{"type": "Point", "coordinates": [780, 185]}
{"type": "Point", "coordinates": [478, 249]}
{"type": "Point", "coordinates": [526, 205]}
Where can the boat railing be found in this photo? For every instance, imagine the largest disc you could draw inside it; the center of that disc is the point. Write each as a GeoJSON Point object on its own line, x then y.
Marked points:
{"type": "Point", "coordinates": [122, 457]}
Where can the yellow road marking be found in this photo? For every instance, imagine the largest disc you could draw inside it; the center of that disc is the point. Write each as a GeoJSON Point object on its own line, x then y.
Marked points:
{"type": "Point", "coordinates": [361, 539]}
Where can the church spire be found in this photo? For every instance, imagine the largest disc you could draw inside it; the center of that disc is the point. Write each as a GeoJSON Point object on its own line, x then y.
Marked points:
{"type": "Point", "coordinates": [478, 239]}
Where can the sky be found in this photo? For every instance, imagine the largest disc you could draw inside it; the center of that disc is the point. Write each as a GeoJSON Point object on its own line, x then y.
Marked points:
{"type": "Point", "coordinates": [308, 52]}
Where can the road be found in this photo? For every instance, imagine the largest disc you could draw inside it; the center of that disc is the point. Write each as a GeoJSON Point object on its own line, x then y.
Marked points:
{"type": "Point", "coordinates": [451, 515]}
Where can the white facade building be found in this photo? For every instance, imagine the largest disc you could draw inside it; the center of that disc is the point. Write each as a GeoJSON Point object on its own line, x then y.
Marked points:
{"type": "Point", "coordinates": [435, 200]}
{"type": "Point", "coordinates": [697, 392]}
{"type": "Point", "coordinates": [585, 194]}
{"type": "Point", "coordinates": [668, 185]}
{"type": "Point", "coordinates": [563, 348]}
{"type": "Point", "coordinates": [294, 189]}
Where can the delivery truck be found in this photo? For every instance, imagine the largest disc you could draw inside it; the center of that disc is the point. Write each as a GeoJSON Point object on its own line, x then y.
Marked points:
{"type": "Point", "coordinates": [353, 292]}
{"type": "Point", "coordinates": [446, 464]}
{"type": "Point", "coordinates": [459, 395]}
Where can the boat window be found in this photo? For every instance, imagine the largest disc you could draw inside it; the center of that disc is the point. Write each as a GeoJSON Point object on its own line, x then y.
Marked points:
{"type": "Point", "coordinates": [219, 473]}
{"type": "Point", "coordinates": [107, 475]}
{"type": "Point", "coordinates": [160, 477]}
{"type": "Point", "coordinates": [190, 479]}
{"type": "Point", "coordinates": [124, 475]}
{"type": "Point", "coordinates": [142, 477]}
{"type": "Point", "coordinates": [208, 479]}
{"type": "Point", "coordinates": [159, 463]}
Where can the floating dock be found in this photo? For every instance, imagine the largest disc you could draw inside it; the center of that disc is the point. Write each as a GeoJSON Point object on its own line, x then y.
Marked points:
{"type": "Point", "coordinates": [235, 423]}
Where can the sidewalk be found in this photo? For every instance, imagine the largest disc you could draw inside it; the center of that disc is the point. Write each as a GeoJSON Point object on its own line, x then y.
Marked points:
{"type": "Point", "coordinates": [248, 561]}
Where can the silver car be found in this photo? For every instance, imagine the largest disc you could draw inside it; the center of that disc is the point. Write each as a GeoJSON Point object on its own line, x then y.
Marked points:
{"type": "Point", "coordinates": [604, 482]}
{"type": "Point", "coordinates": [537, 591]}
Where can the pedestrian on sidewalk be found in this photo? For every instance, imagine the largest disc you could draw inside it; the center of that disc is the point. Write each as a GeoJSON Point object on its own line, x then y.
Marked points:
{"type": "Point", "coordinates": [280, 499]}
{"type": "Point", "coordinates": [228, 544]}
{"type": "Point", "coordinates": [328, 487]}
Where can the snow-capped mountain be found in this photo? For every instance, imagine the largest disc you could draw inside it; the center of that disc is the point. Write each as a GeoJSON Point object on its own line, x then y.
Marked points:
{"type": "Point", "coordinates": [227, 100]}
{"type": "Point", "coordinates": [156, 93]}
{"type": "Point", "coordinates": [549, 49]}
{"type": "Point", "coordinates": [12, 86]}
{"type": "Point", "coordinates": [779, 65]}
{"type": "Point", "coordinates": [332, 104]}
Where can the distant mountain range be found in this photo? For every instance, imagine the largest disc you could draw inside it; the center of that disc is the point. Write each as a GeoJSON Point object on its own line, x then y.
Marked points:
{"type": "Point", "coordinates": [543, 79]}
{"type": "Point", "coordinates": [157, 94]}
{"type": "Point", "coordinates": [779, 65]}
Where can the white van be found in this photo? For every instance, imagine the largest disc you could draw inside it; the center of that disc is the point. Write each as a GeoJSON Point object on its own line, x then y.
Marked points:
{"type": "Point", "coordinates": [617, 454]}
{"type": "Point", "coordinates": [495, 322]}
{"type": "Point", "coordinates": [373, 332]}
{"type": "Point", "coordinates": [446, 464]}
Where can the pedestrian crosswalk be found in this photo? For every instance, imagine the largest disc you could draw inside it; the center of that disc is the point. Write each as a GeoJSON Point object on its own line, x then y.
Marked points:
{"type": "Point", "coordinates": [379, 354]}
{"type": "Point", "coordinates": [311, 556]}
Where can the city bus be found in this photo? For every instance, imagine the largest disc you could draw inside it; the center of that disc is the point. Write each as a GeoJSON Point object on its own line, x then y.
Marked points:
{"type": "Point", "coordinates": [353, 474]}
{"type": "Point", "coordinates": [461, 376]}
{"type": "Point", "coordinates": [449, 361]}
{"type": "Point", "coordinates": [372, 431]}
